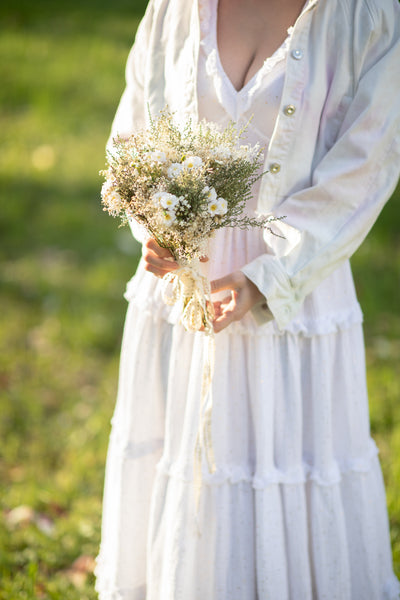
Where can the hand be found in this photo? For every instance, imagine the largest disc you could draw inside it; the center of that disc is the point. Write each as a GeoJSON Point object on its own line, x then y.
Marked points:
{"type": "Point", "coordinates": [244, 294]}
{"type": "Point", "coordinates": [158, 260]}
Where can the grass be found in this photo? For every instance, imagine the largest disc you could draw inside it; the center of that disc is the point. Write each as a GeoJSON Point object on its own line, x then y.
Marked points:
{"type": "Point", "coordinates": [64, 269]}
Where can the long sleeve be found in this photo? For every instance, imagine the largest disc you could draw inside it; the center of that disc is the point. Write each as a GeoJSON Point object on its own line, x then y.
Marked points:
{"type": "Point", "coordinates": [350, 185]}
{"type": "Point", "coordinates": [131, 111]}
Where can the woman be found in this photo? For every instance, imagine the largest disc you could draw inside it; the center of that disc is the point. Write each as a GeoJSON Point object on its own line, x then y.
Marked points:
{"type": "Point", "coordinates": [296, 507]}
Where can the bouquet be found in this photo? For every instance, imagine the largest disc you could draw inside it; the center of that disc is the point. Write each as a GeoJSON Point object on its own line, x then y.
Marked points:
{"type": "Point", "coordinates": [182, 184]}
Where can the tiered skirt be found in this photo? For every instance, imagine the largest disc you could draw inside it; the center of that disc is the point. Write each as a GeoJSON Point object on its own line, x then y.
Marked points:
{"type": "Point", "coordinates": [296, 507]}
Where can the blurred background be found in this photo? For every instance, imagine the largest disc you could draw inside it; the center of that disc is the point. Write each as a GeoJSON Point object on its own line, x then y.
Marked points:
{"type": "Point", "coordinates": [64, 265]}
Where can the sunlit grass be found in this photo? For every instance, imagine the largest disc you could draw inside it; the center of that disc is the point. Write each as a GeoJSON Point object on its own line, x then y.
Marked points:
{"type": "Point", "coordinates": [64, 265]}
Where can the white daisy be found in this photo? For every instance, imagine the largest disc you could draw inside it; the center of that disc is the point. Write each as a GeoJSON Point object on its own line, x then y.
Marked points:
{"type": "Point", "coordinates": [174, 170]}
{"type": "Point", "coordinates": [213, 207]}
{"type": "Point", "coordinates": [168, 217]}
{"type": "Point", "coordinates": [193, 162]}
{"type": "Point", "coordinates": [168, 201]}
{"type": "Point", "coordinates": [158, 156]}
{"type": "Point", "coordinates": [210, 193]}
{"type": "Point", "coordinates": [222, 206]}
{"type": "Point", "coordinates": [157, 197]}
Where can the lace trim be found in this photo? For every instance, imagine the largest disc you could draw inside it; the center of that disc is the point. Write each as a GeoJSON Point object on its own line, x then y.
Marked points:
{"type": "Point", "coordinates": [204, 17]}
{"type": "Point", "coordinates": [155, 308]}
{"type": "Point", "coordinates": [297, 475]}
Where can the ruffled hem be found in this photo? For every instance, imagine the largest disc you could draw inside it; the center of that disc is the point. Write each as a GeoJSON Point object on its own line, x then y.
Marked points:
{"type": "Point", "coordinates": [328, 475]}
{"type": "Point", "coordinates": [152, 304]}
{"type": "Point", "coordinates": [391, 590]}
{"type": "Point", "coordinates": [234, 474]}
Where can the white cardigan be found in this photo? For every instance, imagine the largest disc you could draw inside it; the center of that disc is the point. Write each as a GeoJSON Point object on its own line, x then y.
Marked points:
{"type": "Point", "coordinates": [334, 156]}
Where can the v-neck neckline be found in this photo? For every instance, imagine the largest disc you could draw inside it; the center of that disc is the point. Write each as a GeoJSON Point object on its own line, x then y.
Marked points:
{"type": "Point", "coordinates": [272, 57]}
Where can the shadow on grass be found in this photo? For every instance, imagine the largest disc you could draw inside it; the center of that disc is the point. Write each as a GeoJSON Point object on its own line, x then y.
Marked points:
{"type": "Point", "coordinates": [49, 214]}
{"type": "Point", "coordinates": [81, 15]}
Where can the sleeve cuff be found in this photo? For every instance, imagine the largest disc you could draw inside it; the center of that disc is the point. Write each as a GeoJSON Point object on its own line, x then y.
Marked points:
{"type": "Point", "coordinates": [268, 275]}
{"type": "Point", "coordinates": [261, 312]}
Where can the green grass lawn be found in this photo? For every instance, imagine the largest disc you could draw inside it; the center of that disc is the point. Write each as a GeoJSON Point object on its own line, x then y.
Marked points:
{"type": "Point", "coordinates": [64, 265]}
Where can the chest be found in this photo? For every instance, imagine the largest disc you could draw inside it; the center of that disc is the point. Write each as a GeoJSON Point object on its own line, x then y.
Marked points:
{"type": "Point", "coordinates": [249, 32]}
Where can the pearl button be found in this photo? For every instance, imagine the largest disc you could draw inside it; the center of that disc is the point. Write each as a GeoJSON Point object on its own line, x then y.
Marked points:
{"type": "Point", "coordinates": [275, 167]}
{"type": "Point", "coordinates": [297, 54]}
{"type": "Point", "coordinates": [289, 110]}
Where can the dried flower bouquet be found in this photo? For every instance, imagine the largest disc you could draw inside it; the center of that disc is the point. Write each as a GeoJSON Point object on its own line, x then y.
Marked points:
{"type": "Point", "coordinates": [182, 184]}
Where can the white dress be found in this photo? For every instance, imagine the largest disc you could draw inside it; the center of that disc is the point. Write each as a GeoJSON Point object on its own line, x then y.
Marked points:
{"type": "Point", "coordinates": [296, 508]}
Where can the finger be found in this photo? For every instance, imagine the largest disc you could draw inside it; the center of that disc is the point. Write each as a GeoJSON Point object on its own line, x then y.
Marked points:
{"type": "Point", "coordinates": [232, 308]}
{"type": "Point", "coordinates": [227, 316]}
{"type": "Point", "coordinates": [217, 309]}
{"type": "Point", "coordinates": [222, 321]}
{"type": "Point", "coordinates": [158, 266]}
{"type": "Point", "coordinates": [156, 270]}
{"type": "Point", "coordinates": [160, 263]}
{"type": "Point", "coordinates": [152, 245]}
{"type": "Point", "coordinates": [227, 300]}
{"type": "Point", "coordinates": [151, 255]}
{"type": "Point", "coordinates": [163, 262]}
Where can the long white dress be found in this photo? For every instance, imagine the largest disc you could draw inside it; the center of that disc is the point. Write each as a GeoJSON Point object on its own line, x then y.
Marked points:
{"type": "Point", "coordinates": [296, 508]}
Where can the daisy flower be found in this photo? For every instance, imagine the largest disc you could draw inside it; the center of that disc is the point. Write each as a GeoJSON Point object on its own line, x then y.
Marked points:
{"type": "Point", "coordinates": [213, 207]}
{"type": "Point", "coordinates": [210, 193]}
{"type": "Point", "coordinates": [174, 170]}
{"type": "Point", "coordinates": [158, 156]}
{"type": "Point", "coordinates": [168, 201]}
{"type": "Point", "coordinates": [168, 217]}
{"type": "Point", "coordinates": [222, 206]}
{"type": "Point", "coordinates": [193, 162]}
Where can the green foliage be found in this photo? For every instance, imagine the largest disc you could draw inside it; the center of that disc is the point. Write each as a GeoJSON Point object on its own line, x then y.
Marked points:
{"type": "Point", "coordinates": [64, 268]}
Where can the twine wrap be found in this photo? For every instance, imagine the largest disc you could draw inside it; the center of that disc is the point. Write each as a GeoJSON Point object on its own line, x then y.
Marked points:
{"type": "Point", "coordinates": [188, 286]}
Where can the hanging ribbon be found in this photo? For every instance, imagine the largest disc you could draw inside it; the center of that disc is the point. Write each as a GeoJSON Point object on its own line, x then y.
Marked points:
{"type": "Point", "coordinates": [193, 290]}
{"type": "Point", "coordinates": [187, 285]}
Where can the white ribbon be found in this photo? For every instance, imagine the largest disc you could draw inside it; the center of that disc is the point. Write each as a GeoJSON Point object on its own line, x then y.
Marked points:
{"type": "Point", "coordinates": [193, 290]}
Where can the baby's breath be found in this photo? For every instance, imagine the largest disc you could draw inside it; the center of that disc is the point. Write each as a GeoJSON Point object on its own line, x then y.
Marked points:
{"type": "Point", "coordinates": [182, 183]}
